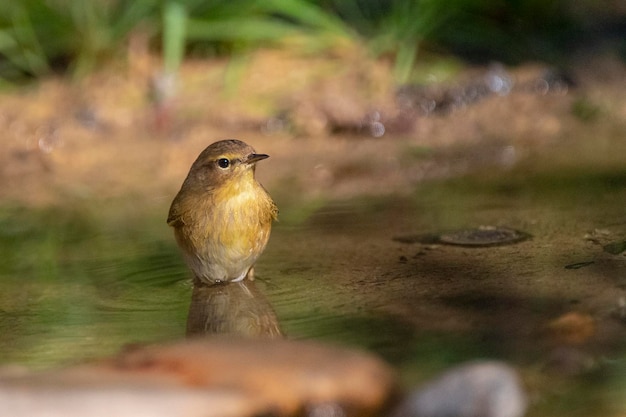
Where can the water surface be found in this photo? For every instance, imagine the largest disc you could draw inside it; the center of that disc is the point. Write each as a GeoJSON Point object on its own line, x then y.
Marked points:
{"type": "Point", "coordinates": [82, 282]}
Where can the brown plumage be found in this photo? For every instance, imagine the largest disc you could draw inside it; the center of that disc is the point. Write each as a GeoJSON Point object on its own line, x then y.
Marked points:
{"type": "Point", "coordinates": [222, 216]}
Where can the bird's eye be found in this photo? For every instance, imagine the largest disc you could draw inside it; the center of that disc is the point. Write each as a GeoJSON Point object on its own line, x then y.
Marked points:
{"type": "Point", "coordinates": [223, 163]}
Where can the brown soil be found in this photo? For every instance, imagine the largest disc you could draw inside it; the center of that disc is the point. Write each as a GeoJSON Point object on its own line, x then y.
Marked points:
{"type": "Point", "coordinates": [103, 137]}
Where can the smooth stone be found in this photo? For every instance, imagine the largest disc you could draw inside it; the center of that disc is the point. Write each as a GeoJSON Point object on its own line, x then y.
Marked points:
{"type": "Point", "coordinates": [58, 398]}
{"type": "Point", "coordinates": [208, 377]}
{"type": "Point", "coordinates": [475, 389]}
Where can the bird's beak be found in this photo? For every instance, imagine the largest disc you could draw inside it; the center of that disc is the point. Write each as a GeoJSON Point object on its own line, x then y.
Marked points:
{"type": "Point", "coordinates": [255, 157]}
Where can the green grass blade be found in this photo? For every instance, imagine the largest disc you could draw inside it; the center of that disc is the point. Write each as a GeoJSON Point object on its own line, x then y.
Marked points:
{"type": "Point", "coordinates": [174, 22]}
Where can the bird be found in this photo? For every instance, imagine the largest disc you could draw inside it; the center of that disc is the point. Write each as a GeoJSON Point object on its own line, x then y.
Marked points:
{"type": "Point", "coordinates": [222, 216]}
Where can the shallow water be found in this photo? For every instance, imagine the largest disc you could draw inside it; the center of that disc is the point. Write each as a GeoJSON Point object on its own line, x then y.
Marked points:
{"type": "Point", "coordinates": [81, 283]}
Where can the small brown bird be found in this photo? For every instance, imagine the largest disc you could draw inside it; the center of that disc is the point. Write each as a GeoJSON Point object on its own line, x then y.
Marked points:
{"type": "Point", "coordinates": [222, 216]}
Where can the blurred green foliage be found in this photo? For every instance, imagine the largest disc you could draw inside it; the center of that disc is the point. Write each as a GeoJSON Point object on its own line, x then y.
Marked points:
{"type": "Point", "coordinates": [397, 28]}
{"type": "Point", "coordinates": [512, 30]}
{"type": "Point", "coordinates": [41, 36]}
{"type": "Point", "coordinates": [231, 25]}
{"type": "Point", "coordinates": [38, 36]}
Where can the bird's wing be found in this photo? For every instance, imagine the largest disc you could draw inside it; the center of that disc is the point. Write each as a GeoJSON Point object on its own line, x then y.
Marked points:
{"type": "Point", "coordinates": [181, 208]}
{"type": "Point", "coordinates": [175, 216]}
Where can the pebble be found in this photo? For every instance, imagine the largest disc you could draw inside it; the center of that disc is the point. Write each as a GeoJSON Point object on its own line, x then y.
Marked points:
{"type": "Point", "coordinates": [475, 389]}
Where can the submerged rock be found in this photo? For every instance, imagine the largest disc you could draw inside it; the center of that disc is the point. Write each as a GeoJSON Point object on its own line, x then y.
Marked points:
{"type": "Point", "coordinates": [484, 236]}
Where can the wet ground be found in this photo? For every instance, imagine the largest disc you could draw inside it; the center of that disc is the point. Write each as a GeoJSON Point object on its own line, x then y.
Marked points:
{"type": "Point", "coordinates": [89, 265]}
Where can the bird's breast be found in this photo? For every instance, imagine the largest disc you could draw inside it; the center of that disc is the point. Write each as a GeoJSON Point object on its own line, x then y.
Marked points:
{"type": "Point", "coordinates": [241, 218]}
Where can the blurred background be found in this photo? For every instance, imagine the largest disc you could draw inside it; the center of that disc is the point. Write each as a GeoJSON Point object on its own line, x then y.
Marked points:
{"type": "Point", "coordinates": [385, 120]}
{"type": "Point", "coordinates": [124, 71]}
{"type": "Point", "coordinates": [75, 38]}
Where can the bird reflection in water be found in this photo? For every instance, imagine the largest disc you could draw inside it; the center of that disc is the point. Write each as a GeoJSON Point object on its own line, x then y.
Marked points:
{"type": "Point", "coordinates": [231, 308]}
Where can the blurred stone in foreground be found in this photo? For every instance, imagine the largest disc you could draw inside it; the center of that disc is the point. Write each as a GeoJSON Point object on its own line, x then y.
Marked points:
{"type": "Point", "coordinates": [478, 389]}
{"type": "Point", "coordinates": [208, 377]}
